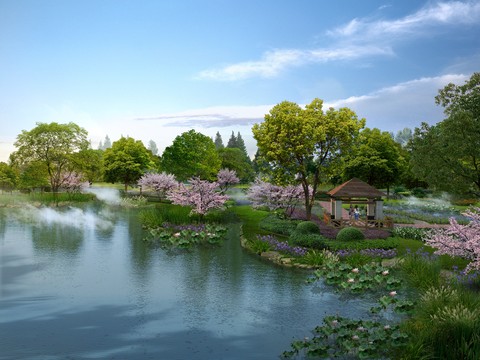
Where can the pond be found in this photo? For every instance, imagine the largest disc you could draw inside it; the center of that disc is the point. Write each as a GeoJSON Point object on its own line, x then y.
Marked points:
{"type": "Point", "coordinates": [80, 283]}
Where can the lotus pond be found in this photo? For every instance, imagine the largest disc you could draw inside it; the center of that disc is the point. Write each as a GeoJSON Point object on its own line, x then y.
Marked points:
{"type": "Point", "coordinates": [81, 283]}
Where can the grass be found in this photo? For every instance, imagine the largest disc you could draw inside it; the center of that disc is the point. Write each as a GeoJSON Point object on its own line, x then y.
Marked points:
{"type": "Point", "coordinates": [251, 219]}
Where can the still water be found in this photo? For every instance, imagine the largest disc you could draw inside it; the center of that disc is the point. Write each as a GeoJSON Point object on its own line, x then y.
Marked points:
{"type": "Point", "coordinates": [80, 283]}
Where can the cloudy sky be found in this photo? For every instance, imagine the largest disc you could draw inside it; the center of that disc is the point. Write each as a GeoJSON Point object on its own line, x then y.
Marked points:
{"type": "Point", "coordinates": [152, 69]}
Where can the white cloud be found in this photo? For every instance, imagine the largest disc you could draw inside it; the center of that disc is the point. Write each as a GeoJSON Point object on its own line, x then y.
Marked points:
{"type": "Point", "coordinates": [406, 104]}
{"type": "Point", "coordinates": [274, 62]}
{"type": "Point", "coordinates": [442, 13]}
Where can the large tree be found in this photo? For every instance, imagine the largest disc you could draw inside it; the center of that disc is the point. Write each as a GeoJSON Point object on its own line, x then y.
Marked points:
{"type": "Point", "coordinates": [192, 154]}
{"type": "Point", "coordinates": [126, 161]}
{"type": "Point", "coordinates": [376, 159]}
{"type": "Point", "coordinates": [304, 145]}
{"type": "Point", "coordinates": [447, 155]}
{"type": "Point", "coordinates": [53, 145]}
{"type": "Point", "coordinates": [234, 159]}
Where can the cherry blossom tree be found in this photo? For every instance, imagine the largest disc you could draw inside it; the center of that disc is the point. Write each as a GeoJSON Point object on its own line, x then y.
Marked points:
{"type": "Point", "coordinates": [73, 182]}
{"type": "Point", "coordinates": [226, 178]}
{"type": "Point", "coordinates": [201, 195]}
{"type": "Point", "coordinates": [160, 183]}
{"type": "Point", "coordinates": [275, 197]}
{"type": "Point", "coordinates": [459, 240]}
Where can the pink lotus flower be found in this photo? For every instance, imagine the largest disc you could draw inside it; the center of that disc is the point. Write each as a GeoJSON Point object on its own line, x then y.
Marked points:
{"type": "Point", "coordinates": [176, 235]}
{"type": "Point", "coordinates": [355, 270]}
{"type": "Point", "coordinates": [355, 337]}
{"type": "Point", "coordinates": [386, 327]}
{"type": "Point", "coordinates": [392, 293]}
{"type": "Point", "coordinates": [351, 280]}
{"type": "Point", "coordinates": [385, 272]}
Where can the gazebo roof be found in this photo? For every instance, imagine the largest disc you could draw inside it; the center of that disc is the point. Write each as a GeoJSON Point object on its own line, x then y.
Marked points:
{"type": "Point", "coordinates": [355, 188]}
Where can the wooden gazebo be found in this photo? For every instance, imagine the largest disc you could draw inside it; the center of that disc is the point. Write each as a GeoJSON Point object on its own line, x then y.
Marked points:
{"type": "Point", "coordinates": [356, 191]}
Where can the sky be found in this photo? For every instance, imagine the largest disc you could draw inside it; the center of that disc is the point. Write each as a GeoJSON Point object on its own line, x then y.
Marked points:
{"type": "Point", "coordinates": [153, 69]}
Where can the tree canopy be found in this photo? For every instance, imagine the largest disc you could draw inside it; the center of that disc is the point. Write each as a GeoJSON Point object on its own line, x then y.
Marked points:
{"type": "Point", "coordinates": [126, 161]}
{"type": "Point", "coordinates": [447, 155]}
{"type": "Point", "coordinates": [305, 145]}
{"type": "Point", "coordinates": [376, 159]}
{"type": "Point", "coordinates": [191, 154]}
{"type": "Point", "coordinates": [53, 145]}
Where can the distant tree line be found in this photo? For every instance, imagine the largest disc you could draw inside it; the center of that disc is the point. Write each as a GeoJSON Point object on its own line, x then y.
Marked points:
{"type": "Point", "coordinates": [306, 147]}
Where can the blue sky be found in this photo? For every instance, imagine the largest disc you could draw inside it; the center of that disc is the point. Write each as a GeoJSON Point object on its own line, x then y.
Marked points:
{"type": "Point", "coordinates": [154, 69]}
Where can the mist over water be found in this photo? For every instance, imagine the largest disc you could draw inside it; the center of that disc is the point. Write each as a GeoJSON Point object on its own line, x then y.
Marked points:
{"type": "Point", "coordinates": [81, 219]}
{"type": "Point", "coordinates": [109, 196]}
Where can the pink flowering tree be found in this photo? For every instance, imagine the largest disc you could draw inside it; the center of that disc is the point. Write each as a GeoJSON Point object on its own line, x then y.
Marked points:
{"type": "Point", "coordinates": [275, 197]}
{"type": "Point", "coordinates": [226, 178]}
{"type": "Point", "coordinates": [459, 240]}
{"type": "Point", "coordinates": [160, 183]}
{"type": "Point", "coordinates": [73, 182]}
{"type": "Point", "coordinates": [201, 195]}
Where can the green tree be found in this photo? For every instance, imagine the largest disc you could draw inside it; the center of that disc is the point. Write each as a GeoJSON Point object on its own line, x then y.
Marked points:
{"type": "Point", "coordinates": [234, 159]}
{"type": "Point", "coordinates": [447, 155]}
{"type": "Point", "coordinates": [305, 145]}
{"type": "Point", "coordinates": [152, 146]}
{"type": "Point", "coordinates": [126, 161]}
{"type": "Point", "coordinates": [232, 142]}
{"type": "Point", "coordinates": [89, 162]}
{"type": "Point", "coordinates": [52, 144]}
{"type": "Point", "coordinates": [33, 175]}
{"type": "Point", "coordinates": [218, 141]}
{"type": "Point", "coordinates": [8, 177]}
{"type": "Point", "coordinates": [403, 136]}
{"type": "Point", "coordinates": [191, 154]}
{"type": "Point", "coordinates": [376, 159]}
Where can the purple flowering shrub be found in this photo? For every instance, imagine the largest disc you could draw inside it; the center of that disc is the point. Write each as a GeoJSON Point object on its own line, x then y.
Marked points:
{"type": "Point", "coordinates": [282, 246]}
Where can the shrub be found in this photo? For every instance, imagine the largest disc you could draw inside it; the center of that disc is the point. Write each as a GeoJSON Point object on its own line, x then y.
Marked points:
{"type": "Point", "coordinates": [389, 243]}
{"type": "Point", "coordinates": [307, 227]}
{"type": "Point", "coordinates": [274, 224]}
{"type": "Point", "coordinates": [350, 234]}
{"type": "Point", "coordinates": [408, 232]}
{"type": "Point", "coordinates": [312, 241]}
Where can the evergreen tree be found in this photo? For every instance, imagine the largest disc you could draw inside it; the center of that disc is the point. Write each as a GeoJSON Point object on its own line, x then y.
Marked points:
{"type": "Point", "coordinates": [242, 147]}
{"type": "Point", "coordinates": [232, 142]}
{"type": "Point", "coordinates": [218, 141]}
{"type": "Point", "coordinates": [152, 146]}
{"type": "Point", "coordinates": [107, 143]}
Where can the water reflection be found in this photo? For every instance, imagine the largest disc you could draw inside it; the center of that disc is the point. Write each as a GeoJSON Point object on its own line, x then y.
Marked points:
{"type": "Point", "coordinates": [82, 290]}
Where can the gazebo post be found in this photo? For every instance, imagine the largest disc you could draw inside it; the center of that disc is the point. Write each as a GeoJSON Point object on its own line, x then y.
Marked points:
{"type": "Point", "coordinates": [370, 209]}
{"type": "Point", "coordinates": [379, 210]}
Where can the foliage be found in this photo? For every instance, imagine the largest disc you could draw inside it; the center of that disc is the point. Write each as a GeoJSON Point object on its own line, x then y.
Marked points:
{"type": "Point", "coordinates": [235, 159]}
{"type": "Point", "coordinates": [339, 336]}
{"type": "Point", "coordinates": [459, 240]}
{"type": "Point", "coordinates": [421, 268]}
{"type": "Point", "coordinates": [73, 182]}
{"type": "Point", "coordinates": [160, 183]}
{"type": "Point", "coordinates": [445, 324]}
{"type": "Point", "coordinates": [201, 195]}
{"type": "Point", "coordinates": [307, 240]}
{"type": "Point", "coordinates": [274, 224]}
{"type": "Point", "coordinates": [317, 258]}
{"type": "Point", "coordinates": [274, 197]}
{"type": "Point", "coordinates": [164, 213]}
{"type": "Point", "coordinates": [350, 234]}
{"type": "Point", "coordinates": [258, 245]}
{"type": "Point", "coordinates": [184, 236]}
{"type": "Point", "coordinates": [225, 179]}
{"type": "Point", "coordinates": [89, 162]}
{"type": "Point", "coordinates": [305, 145]}
{"type": "Point", "coordinates": [51, 145]}
{"type": "Point", "coordinates": [218, 141]}
{"type": "Point", "coordinates": [282, 246]}
{"type": "Point", "coordinates": [447, 155]}
{"type": "Point", "coordinates": [384, 244]}
{"type": "Point", "coordinates": [371, 276]}
{"type": "Point", "coordinates": [308, 227]}
{"type": "Point", "coordinates": [126, 161]}
{"type": "Point", "coordinates": [192, 154]}
{"type": "Point", "coordinates": [8, 177]}
{"type": "Point", "coordinates": [377, 159]}
{"type": "Point", "coordinates": [407, 232]}
{"type": "Point", "coordinates": [356, 257]}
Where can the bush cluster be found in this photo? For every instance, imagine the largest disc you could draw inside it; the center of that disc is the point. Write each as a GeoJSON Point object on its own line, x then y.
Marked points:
{"type": "Point", "coordinates": [307, 227]}
{"type": "Point", "coordinates": [312, 241]}
{"type": "Point", "coordinates": [410, 233]}
{"type": "Point", "coordinates": [385, 244]}
{"type": "Point", "coordinates": [350, 234]}
{"type": "Point", "coordinates": [272, 223]}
